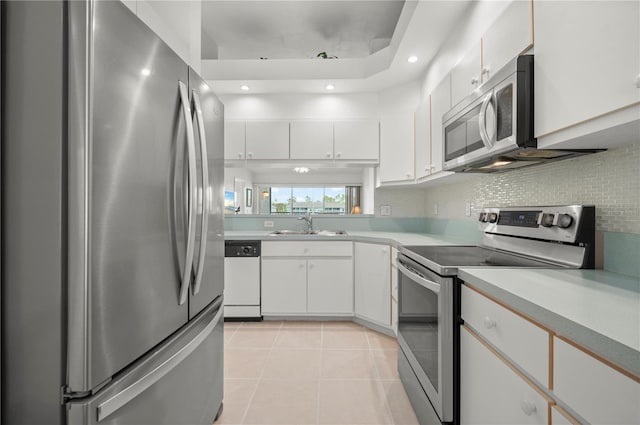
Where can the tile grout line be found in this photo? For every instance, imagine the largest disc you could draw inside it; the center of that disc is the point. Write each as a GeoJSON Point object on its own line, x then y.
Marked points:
{"type": "Point", "coordinates": [259, 380]}
{"type": "Point", "coordinates": [379, 382]}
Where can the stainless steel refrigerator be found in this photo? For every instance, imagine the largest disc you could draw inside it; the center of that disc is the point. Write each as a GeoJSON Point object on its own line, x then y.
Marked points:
{"type": "Point", "coordinates": [112, 232]}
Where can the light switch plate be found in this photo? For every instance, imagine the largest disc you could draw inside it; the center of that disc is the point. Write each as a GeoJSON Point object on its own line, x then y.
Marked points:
{"type": "Point", "coordinates": [385, 209]}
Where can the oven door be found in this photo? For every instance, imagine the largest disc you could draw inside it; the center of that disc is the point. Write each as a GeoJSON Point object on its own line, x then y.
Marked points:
{"type": "Point", "coordinates": [425, 331]}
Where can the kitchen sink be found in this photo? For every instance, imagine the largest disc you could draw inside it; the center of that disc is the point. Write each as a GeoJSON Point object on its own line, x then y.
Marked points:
{"type": "Point", "coordinates": [305, 232]}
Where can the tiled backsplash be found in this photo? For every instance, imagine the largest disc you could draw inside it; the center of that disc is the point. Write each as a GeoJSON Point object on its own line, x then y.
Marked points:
{"type": "Point", "coordinates": [609, 180]}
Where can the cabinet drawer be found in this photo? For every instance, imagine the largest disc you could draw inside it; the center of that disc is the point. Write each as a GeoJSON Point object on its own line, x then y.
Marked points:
{"type": "Point", "coordinates": [307, 249]}
{"type": "Point", "coordinates": [597, 392]}
{"type": "Point", "coordinates": [491, 392]}
{"type": "Point", "coordinates": [524, 343]}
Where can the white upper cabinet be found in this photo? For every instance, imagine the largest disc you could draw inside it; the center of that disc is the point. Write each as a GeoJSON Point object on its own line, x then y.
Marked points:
{"type": "Point", "coordinates": [356, 140]}
{"type": "Point", "coordinates": [311, 140]}
{"type": "Point", "coordinates": [397, 147]}
{"type": "Point", "coordinates": [587, 69]}
{"type": "Point", "coordinates": [234, 140]}
{"type": "Point", "coordinates": [423, 139]}
{"type": "Point", "coordinates": [508, 37]}
{"type": "Point", "coordinates": [465, 76]}
{"type": "Point", "coordinates": [440, 105]}
{"type": "Point", "coordinates": [267, 140]}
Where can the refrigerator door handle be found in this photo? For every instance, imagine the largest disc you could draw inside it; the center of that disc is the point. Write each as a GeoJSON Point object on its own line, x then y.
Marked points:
{"type": "Point", "coordinates": [191, 211]}
{"type": "Point", "coordinates": [205, 192]}
{"type": "Point", "coordinates": [132, 391]}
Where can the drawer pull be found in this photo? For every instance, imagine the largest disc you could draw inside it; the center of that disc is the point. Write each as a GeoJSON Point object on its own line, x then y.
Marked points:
{"type": "Point", "coordinates": [527, 407]}
{"type": "Point", "coordinates": [489, 323]}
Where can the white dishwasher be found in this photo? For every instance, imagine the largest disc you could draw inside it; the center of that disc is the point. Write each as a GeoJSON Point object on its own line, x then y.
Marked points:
{"type": "Point", "coordinates": [242, 279]}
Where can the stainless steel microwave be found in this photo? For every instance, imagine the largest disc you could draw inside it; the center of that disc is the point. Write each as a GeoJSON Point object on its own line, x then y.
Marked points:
{"type": "Point", "coordinates": [492, 129]}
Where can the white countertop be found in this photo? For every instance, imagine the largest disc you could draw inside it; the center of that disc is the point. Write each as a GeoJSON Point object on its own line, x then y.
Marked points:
{"type": "Point", "coordinates": [393, 238]}
{"type": "Point", "coordinates": [595, 308]}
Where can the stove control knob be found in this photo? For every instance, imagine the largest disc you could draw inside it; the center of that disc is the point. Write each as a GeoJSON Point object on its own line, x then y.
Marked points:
{"type": "Point", "coordinates": [547, 220]}
{"type": "Point", "coordinates": [493, 217]}
{"type": "Point", "coordinates": [564, 221]}
{"type": "Point", "coordinates": [483, 217]}
{"type": "Point", "coordinates": [246, 250]}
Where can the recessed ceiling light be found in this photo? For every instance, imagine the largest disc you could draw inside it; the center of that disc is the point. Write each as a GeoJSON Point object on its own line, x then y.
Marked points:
{"type": "Point", "coordinates": [330, 87]}
{"type": "Point", "coordinates": [412, 59]}
{"type": "Point", "coordinates": [244, 87]}
{"type": "Point", "coordinates": [145, 72]}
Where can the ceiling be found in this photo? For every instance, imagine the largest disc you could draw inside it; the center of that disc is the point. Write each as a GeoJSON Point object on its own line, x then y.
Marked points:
{"type": "Point", "coordinates": [371, 39]}
{"type": "Point", "coordinates": [297, 29]}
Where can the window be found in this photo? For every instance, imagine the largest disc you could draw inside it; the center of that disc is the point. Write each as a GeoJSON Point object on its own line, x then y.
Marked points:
{"type": "Point", "coordinates": [287, 200]}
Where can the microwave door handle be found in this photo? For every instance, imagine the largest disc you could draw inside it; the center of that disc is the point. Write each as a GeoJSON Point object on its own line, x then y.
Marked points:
{"type": "Point", "coordinates": [205, 192]}
{"type": "Point", "coordinates": [428, 284]}
{"type": "Point", "coordinates": [191, 180]}
{"type": "Point", "coordinates": [482, 121]}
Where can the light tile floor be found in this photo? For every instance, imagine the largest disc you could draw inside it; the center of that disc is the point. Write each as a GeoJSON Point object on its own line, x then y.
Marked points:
{"type": "Point", "coordinates": [311, 373]}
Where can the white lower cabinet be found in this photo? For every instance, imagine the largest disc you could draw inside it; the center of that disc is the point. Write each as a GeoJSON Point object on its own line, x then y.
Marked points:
{"type": "Point", "coordinates": [372, 279]}
{"type": "Point", "coordinates": [307, 278]}
{"type": "Point", "coordinates": [284, 285]}
{"type": "Point", "coordinates": [491, 392]}
{"type": "Point", "coordinates": [594, 390]}
{"type": "Point", "coordinates": [330, 285]}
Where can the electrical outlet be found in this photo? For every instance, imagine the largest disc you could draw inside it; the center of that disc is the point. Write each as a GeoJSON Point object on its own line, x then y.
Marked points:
{"type": "Point", "coordinates": [435, 209]}
{"type": "Point", "coordinates": [268, 223]}
{"type": "Point", "coordinates": [385, 209]}
{"type": "Point", "coordinates": [467, 209]}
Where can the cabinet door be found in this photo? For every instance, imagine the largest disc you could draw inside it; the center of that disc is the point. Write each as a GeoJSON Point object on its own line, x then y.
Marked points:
{"type": "Point", "coordinates": [491, 392]}
{"type": "Point", "coordinates": [397, 147]}
{"type": "Point", "coordinates": [330, 285]}
{"type": "Point", "coordinates": [234, 140]}
{"type": "Point", "coordinates": [509, 36]}
{"type": "Point", "coordinates": [423, 139]}
{"type": "Point", "coordinates": [587, 61]}
{"type": "Point", "coordinates": [561, 418]}
{"type": "Point", "coordinates": [267, 140]}
{"type": "Point", "coordinates": [440, 105]}
{"type": "Point", "coordinates": [601, 396]}
{"type": "Point", "coordinates": [465, 76]}
{"type": "Point", "coordinates": [372, 265]}
{"type": "Point", "coordinates": [356, 140]}
{"type": "Point", "coordinates": [284, 286]}
{"type": "Point", "coordinates": [311, 140]}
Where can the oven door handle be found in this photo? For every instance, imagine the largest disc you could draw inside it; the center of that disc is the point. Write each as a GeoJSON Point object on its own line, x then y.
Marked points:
{"type": "Point", "coordinates": [428, 284]}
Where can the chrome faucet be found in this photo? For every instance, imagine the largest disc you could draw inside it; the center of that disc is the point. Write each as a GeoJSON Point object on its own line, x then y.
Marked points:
{"type": "Point", "coordinates": [309, 221]}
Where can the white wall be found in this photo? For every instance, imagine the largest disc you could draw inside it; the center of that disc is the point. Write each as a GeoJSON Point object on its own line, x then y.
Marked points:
{"type": "Point", "coordinates": [300, 106]}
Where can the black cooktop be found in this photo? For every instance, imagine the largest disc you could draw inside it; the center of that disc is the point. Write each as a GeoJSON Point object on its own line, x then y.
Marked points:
{"type": "Point", "coordinates": [470, 256]}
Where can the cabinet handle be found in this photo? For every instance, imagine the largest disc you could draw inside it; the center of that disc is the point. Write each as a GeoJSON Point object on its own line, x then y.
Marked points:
{"type": "Point", "coordinates": [240, 155]}
{"type": "Point", "coordinates": [527, 407]}
{"type": "Point", "coordinates": [489, 323]}
{"type": "Point", "coordinates": [328, 154]}
{"type": "Point", "coordinates": [485, 71]}
{"type": "Point", "coordinates": [250, 155]}
{"type": "Point", "coordinates": [474, 81]}
{"type": "Point", "coordinates": [409, 175]}
{"type": "Point", "coordinates": [339, 154]}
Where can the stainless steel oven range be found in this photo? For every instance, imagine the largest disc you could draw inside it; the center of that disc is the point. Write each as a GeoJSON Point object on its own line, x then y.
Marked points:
{"type": "Point", "coordinates": [429, 291]}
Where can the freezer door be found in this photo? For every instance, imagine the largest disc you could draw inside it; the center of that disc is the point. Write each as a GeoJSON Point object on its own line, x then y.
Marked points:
{"type": "Point", "coordinates": [128, 191]}
{"type": "Point", "coordinates": [179, 383]}
{"type": "Point", "coordinates": [208, 119]}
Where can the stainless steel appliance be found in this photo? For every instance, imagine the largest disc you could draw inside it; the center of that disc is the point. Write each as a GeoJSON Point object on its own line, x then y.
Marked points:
{"type": "Point", "coordinates": [242, 279]}
{"type": "Point", "coordinates": [112, 231]}
{"type": "Point", "coordinates": [492, 129]}
{"type": "Point", "coordinates": [429, 292]}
